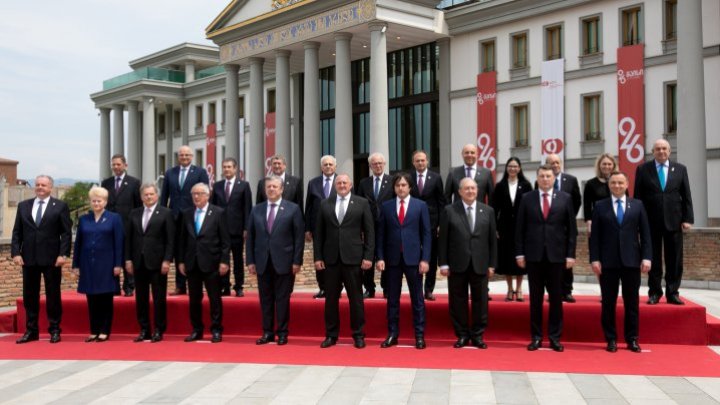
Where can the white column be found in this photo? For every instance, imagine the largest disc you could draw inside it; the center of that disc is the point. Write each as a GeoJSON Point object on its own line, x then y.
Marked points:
{"type": "Point", "coordinates": [232, 132]}
{"type": "Point", "coordinates": [378, 91]}
{"type": "Point", "coordinates": [311, 106]}
{"type": "Point", "coordinates": [255, 145]}
{"type": "Point", "coordinates": [148, 141]}
{"type": "Point", "coordinates": [189, 72]}
{"type": "Point", "coordinates": [168, 137]}
{"type": "Point", "coordinates": [691, 133]}
{"type": "Point", "coordinates": [117, 125]}
{"type": "Point", "coordinates": [343, 105]}
{"type": "Point", "coordinates": [282, 104]}
{"type": "Point", "coordinates": [133, 149]}
{"type": "Point", "coordinates": [444, 125]}
{"type": "Point", "coordinates": [184, 124]}
{"type": "Point", "coordinates": [104, 143]}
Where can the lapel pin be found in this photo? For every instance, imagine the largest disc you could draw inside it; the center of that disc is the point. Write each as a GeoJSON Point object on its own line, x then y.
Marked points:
{"type": "Point", "coordinates": [672, 169]}
{"type": "Point", "coordinates": [209, 213]}
{"type": "Point", "coordinates": [157, 212]}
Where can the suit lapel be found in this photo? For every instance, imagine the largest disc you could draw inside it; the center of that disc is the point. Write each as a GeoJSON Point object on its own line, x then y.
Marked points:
{"type": "Point", "coordinates": [207, 218]}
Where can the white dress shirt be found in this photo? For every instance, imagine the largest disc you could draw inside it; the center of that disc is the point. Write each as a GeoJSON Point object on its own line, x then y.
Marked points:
{"type": "Point", "coordinates": [277, 207]}
{"type": "Point", "coordinates": [36, 204]}
{"type": "Point", "coordinates": [406, 202]}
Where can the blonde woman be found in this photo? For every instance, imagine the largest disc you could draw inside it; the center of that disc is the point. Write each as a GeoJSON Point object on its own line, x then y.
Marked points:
{"type": "Point", "coordinates": [597, 188]}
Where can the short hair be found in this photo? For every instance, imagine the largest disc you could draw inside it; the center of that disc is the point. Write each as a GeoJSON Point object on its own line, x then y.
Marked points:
{"type": "Point", "coordinates": [544, 167]}
{"type": "Point", "coordinates": [328, 157]}
{"type": "Point", "coordinates": [149, 185]}
{"type": "Point", "coordinates": [279, 157]}
{"type": "Point", "coordinates": [230, 160]}
{"type": "Point", "coordinates": [419, 151]}
{"type": "Point", "coordinates": [467, 180]}
{"type": "Point", "coordinates": [600, 158]}
{"type": "Point", "coordinates": [119, 156]}
{"type": "Point", "coordinates": [337, 176]}
{"type": "Point", "coordinates": [275, 178]}
{"type": "Point", "coordinates": [185, 147]}
{"type": "Point", "coordinates": [619, 173]}
{"type": "Point", "coordinates": [45, 176]}
{"type": "Point", "coordinates": [401, 176]}
{"type": "Point", "coordinates": [375, 155]}
{"type": "Point", "coordinates": [554, 155]}
{"type": "Point", "coordinates": [203, 186]}
{"type": "Point", "coordinates": [97, 191]}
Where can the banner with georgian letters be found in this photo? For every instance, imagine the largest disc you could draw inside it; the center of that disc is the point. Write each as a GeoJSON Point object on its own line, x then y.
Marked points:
{"type": "Point", "coordinates": [211, 148]}
{"type": "Point", "coordinates": [631, 108]}
{"type": "Point", "coordinates": [269, 141]}
{"type": "Point", "coordinates": [487, 120]}
{"type": "Point", "coordinates": [552, 109]}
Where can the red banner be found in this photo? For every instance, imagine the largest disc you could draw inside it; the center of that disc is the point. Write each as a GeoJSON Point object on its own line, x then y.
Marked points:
{"type": "Point", "coordinates": [487, 120]}
{"type": "Point", "coordinates": [631, 109]}
{"type": "Point", "coordinates": [269, 141]}
{"type": "Point", "coordinates": [210, 149]}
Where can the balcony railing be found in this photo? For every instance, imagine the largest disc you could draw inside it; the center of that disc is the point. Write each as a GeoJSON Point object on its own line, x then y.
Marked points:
{"type": "Point", "coordinates": [147, 73]}
{"type": "Point", "coordinates": [211, 71]}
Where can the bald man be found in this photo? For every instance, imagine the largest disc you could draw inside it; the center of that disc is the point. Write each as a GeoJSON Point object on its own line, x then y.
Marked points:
{"type": "Point", "coordinates": [481, 175]}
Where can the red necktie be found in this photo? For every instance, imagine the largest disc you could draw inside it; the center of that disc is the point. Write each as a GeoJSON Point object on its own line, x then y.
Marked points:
{"type": "Point", "coordinates": [401, 216]}
{"type": "Point", "coordinates": [545, 205]}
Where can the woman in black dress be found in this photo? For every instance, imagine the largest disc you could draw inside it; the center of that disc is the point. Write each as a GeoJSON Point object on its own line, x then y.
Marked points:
{"type": "Point", "coordinates": [597, 189]}
{"type": "Point", "coordinates": [506, 200]}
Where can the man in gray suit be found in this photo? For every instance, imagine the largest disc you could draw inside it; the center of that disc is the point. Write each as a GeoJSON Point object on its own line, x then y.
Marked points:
{"type": "Point", "coordinates": [481, 175]}
{"type": "Point", "coordinates": [467, 254]}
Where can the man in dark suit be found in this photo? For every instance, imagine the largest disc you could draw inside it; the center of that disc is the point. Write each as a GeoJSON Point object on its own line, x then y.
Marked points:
{"type": "Point", "coordinates": [292, 186]}
{"type": "Point", "coordinates": [276, 226]}
{"type": "Point", "coordinates": [234, 196]}
{"type": "Point", "coordinates": [123, 197]}
{"type": "Point", "coordinates": [41, 240]}
{"type": "Point", "coordinates": [149, 248]}
{"type": "Point", "coordinates": [319, 188]}
{"type": "Point", "coordinates": [428, 186]}
{"type": "Point", "coordinates": [620, 248]}
{"type": "Point", "coordinates": [204, 260]}
{"type": "Point", "coordinates": [403, 242]}
{"type": "Point", "coordinates": [468, 256]}
{"type": "Point", "coordinates": [344, 246]}
{"type": "Point", "coordinates": [664, 188]}
{"type": "Point", "coordinates": [569, 184]}
{"type": "Point", "coordinates": [176, 187]}
{"type": "Point", "coordinates": [545, 238]}
{"type": "Point", "coordinates": [376, 189]}
{"type": "Point", "coordinates": [482, 176]}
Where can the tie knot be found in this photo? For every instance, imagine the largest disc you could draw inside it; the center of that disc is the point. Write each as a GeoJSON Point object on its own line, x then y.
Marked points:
{"type": "Point", "coordinates": [41, 202]}
{"type": "Point", "coordinates": [273, 205]}
{"type": "Point", "coordinates": [148, 209]}
{"type": "Point", "coordinates": [544, 194]}
{"type": "Point", "coordinates": [402, 202]}
{"type": "Point", "coordinates": [199, 211]}
{"type": "Point", "coordinates": [420, 175]}
{"type": "Point", "coordinates": [342, 198]}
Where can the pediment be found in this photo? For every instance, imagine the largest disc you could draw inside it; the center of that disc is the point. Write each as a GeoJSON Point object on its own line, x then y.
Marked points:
{"type": "Point", "coordinates": [242, 11]}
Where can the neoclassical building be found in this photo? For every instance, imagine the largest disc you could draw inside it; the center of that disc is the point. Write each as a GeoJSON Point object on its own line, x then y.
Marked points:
{"type": "Point", "coordinates": [310, 77]}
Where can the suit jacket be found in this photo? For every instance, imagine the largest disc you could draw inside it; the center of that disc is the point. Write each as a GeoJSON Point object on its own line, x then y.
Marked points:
{"type": "Point", "coordinates": [555, 236]}
{"type": "Point", "coordinates": [411, 240]}
{"type": "Point", "coordinates": [483, 178]}
{"type": "Point", "coordinates": [432, 194]}
{"type": "Point", "coordinates": [668, 208]}
{"type": "Point", "coordinates": [458, 246]}
{"type": "Point", "coordinates": [292, 191]}
{"type": "Point", "coordinates": [620, 245]}
{"type": "Point", "coordinates": [98, 249]}
{"type": "Point", "coordinates": [237, 209]}
{"type": "Point", "coordinates": [350, 242]}
{"type": "Point", "coordinates": [126, 198]}
{"type": "Point", "coordinates": [366, 190]}
{"type": "Point", "coordinates": [41, 245]}
{"type": "Point", "coordinates": [315, 195]}
{"type": "Point", "coordinates": [151, 247]}
{"type": "Point", "coordinates": [286, 241]}
{"type": "Point", "coordinates": [569, 184]}
{"type": "Point", "coordinates": [210, 247]}
{"type": "Point", "coordinates": [180, 198]}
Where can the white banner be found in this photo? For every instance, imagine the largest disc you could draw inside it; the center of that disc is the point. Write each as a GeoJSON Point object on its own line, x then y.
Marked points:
{"type": "Point", "coordinates": [552, 117]}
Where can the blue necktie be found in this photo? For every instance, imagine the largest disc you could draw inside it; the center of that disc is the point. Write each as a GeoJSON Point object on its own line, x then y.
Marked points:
{"type": "Point", "coordinates": [620, 211]}
{"type": "Point", "coordinates": [326, 188]}
{"type": "Point", "coordinates": [38, 214]}
{"type": "Point", "coordinates": [376, 190]}
{"type": "Point", "coordinates": [661, 176]}
{"type": "Point", "coordinates": [557, 183]}
{"type": "Point", "coordinates": [182, 177]}
{"type": "Point", "coordinates": [198, 223]}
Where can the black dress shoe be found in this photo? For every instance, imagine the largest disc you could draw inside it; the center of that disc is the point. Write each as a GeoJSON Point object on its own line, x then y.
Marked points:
{"type": "Point", "coordinates": [55, 337]}
{"type": "Point", "coordinates": [216, 337]}
{"type": "Point", "coordinates": [144, 335]}
{"type": "Point", "coordinates": [653, 299]}
{"type": "Point", "coordinates": [359, 342]}
{"type": "Point", "coordinates": [91, 338]}
{"type": "Point", "coordinates": [239, 293]}
{"type": "Point", "coordinates": [675, 300]}
{"type": "Point", "coordinates": [568, 298]}
{"type": "Point", "coordinates": [320, 294]}
{"type": "Point", "coordinates": [556, 346]}
{"type": "Point", "coordinates": [265, 339]}
{"type": "Point", "coordinates": [429, 296]}
{"type": "Point", "coordinates": [178, 291]}
{"type": "Point", "coordinates": [27, 337]}
{"type": "Point", "coordinates": [534, 345]}
{"type": "Point", "coordinates": [384, 294]}
{"type": "Point", "coordinates": [390, 341]}
{"type": "Point", "coordinates": [461, 342]}
{"type": "Point", "coordinates": [195, 335]}
{"type": "Point", "coordinates": [282, 340]}
{"type": "Point", "coordinates": [102, 338]}
{"type": "Point", "coordinates": [478, 342]}
{"type": "Point", "coordinates": [329, 341]}
{"type": "Point", "coordinates": [157, 337]}
{"type": "Point", "coordinates": [225, 293]}
{"type": "Point", "coordinates": [129, 293]}
{"type": "Point", "coordinates": [420, 342]}
{"type": "Point", "coordinates": [611, 346]}
{"type": "Point", "coordinates": [634, 347]}
{"type": "Point", "coordinates": [369, 294]}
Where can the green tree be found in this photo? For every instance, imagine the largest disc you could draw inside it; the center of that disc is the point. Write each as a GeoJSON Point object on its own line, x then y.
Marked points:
{"type": "Point", "coordinates": [77, 199]}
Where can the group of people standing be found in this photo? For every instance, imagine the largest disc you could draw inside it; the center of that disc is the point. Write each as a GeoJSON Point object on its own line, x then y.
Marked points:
{"type": "Point", "coordinates": [407, 224]}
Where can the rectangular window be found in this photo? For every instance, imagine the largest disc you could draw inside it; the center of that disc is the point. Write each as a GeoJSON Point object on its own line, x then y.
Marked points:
{"type": "Point", "coordinates": [411, 71]}
{"type": "Point", "coordinates": [670, 19]}
{"type": "Point", "coordinates": [241, 107]}
{"type": "Point", "coordinates": [327, 88]}
{"type": "Point", "coordinates": [199, 158]}
{"type": "Point", "coordinates": [211, 112]}
{"type": "Point", "coordinates": [222, 112]}
{"type": "Point", "coordinates": [271, 100]}
{"type": "Point", "coordinates": [519, 50]}
{"type": "Point", "coordinates": [632, 26]}
{"type": "Point", "coordinates": [327, 134]}
{"type": "Point", "coordinates": [520, 126]}
{"type": "Point", "coordinates": [670, 108]}
{"type": "Point", "coordinates": [177, 117]}
{"type": "Point", "coordinates": [553, 42]}
{"type": "Point", "coordinates": [592, 117]}
{"type": "Point", "coordinates": [591, 35]}
{"type": "Point", "coordinates": [161, 163]}
{"type": "Point", "coordinates": [161, 123]}
{"type": "Point", "coordinates": [487, 56]}
{"type": "Point", "coordinates": [199, 116]}
{"type": "Point", "coordinates": [361, 80]}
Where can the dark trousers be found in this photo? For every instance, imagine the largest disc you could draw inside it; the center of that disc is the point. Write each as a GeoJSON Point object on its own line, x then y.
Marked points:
{"type": "Point", "coordinates": [609, 284]}
{"type": "Point", "coordinates": [672, 244]}
{"type": "Point", "coordinates": [180, 279]}
{"type": "Point", "coordinates": [31, 296]}
{"type": "Point", "coordinates": [394, 288]}
{"type": "Point", "coordinates": [145, 279]}
{"type": "Point", "coordinates": [541, 276]}
{"type": "Point", "coordinates": [128, 284]}
{"type": "Point", "coordinates": [100, 308]}
{"type": "Point", "coordinates": [320, 278]}
{"type": "Point", "coordinates": [567, 281]}
{"type": "Point", "coordinates": [236, 247]}
{"type": "Point", "coordinates": [432, 273]}
{"type": "Point", "coordinates": [368, 279]}
{"type": "Point", "coordinates": [458, 283]}
{"type": "Point", "coordinates": [337, 276]}
{"type": "Point", "coordinates": [211, 280]}
{"type": "Point", "coordinates": [274, 292]}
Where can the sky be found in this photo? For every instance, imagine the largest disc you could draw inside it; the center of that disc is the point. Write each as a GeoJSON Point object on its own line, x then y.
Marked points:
{"type": "Point", "coordinates": [54, 54]}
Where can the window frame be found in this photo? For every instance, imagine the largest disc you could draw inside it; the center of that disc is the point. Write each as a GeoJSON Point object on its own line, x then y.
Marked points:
{"type": "Point", "coordinates": [584, 98]}
{"type": "Point", "coordinates": [482, 54]}
{"type": "Point", "coordinates": [641, 25]}
{"type": "Point", "coordinates": [513, 117]}
{"type": "Point", "coordinates": [547, 31]}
